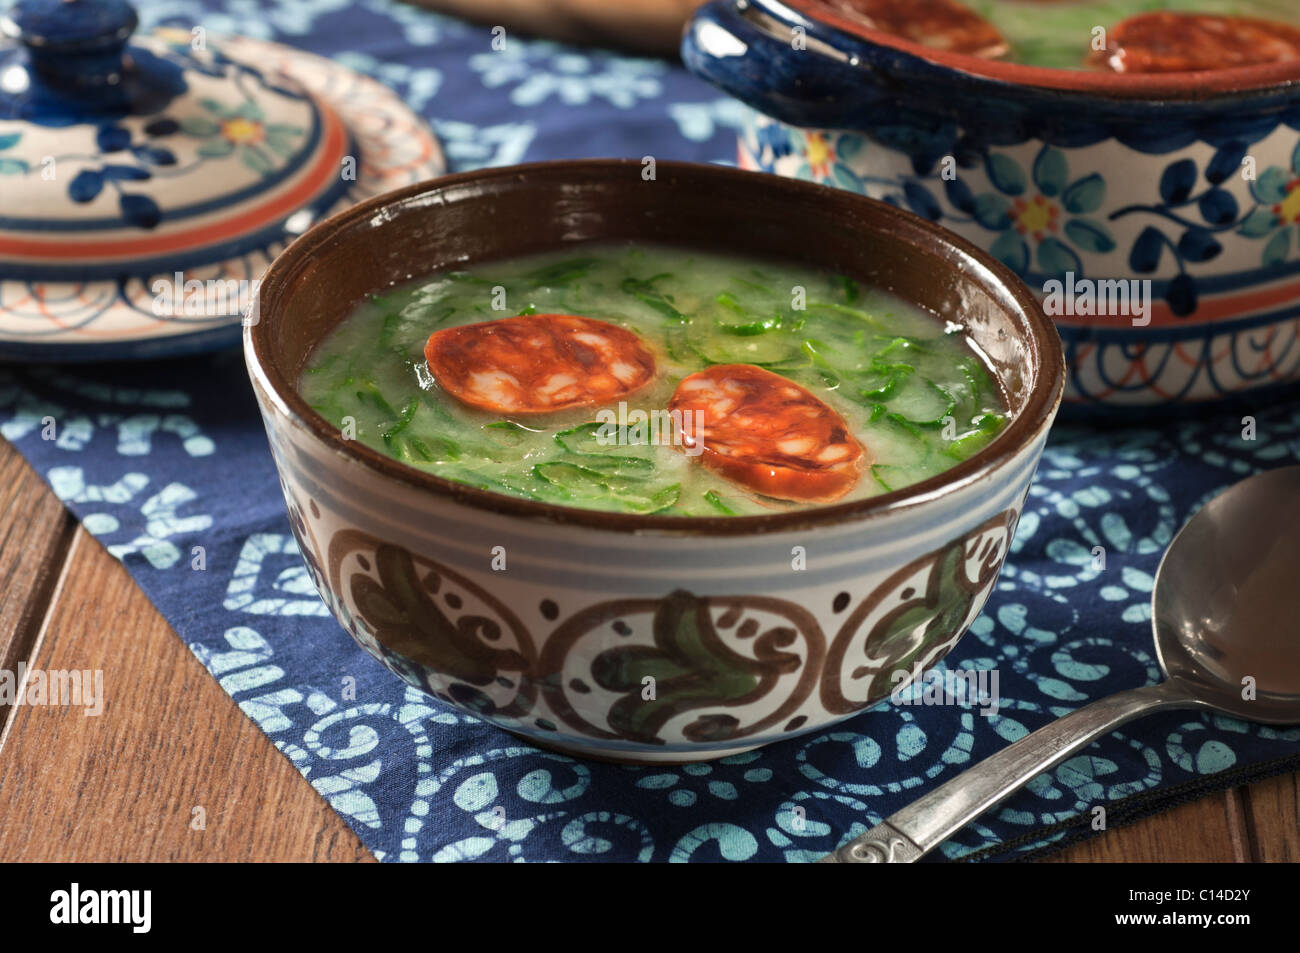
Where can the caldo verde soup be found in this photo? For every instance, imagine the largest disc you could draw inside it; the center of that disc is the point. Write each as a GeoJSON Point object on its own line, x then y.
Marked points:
{"type": "Point", "coordinates": [654, 380]}
{"type": "Point", "coordinates": [1134, 36]}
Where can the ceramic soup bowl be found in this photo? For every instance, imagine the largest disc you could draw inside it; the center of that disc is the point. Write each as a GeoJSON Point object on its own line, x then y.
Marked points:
{"type": "Point", "coordinates": [516, 611]}
{"type": "Point", "coordinates": [1188, 181]}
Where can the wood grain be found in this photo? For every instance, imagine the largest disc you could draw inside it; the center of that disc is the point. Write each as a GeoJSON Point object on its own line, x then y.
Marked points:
{"type": "Point", "coordinates": [1273, 811]}
{"type": "Point", "coordinates": [1210, 829]}
{"type": "Point", "coordinates": [35, 532]}
{"type": "Point", "coordinates": [122, 786]}
{"type": "Point", "coordinates": [651, 26]}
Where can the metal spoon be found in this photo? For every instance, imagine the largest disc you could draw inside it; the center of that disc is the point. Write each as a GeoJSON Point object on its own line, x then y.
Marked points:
{"type": "Point", "coordinates": [1226, 616]}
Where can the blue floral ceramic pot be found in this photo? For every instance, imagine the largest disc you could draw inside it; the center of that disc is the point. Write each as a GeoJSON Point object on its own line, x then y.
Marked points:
{"type": "Point", "coordinates": [1156, 216]}
{"type": "Point", "coordinates": [146, 182]}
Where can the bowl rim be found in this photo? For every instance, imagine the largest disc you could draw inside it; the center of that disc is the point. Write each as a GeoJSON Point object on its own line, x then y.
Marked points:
{"type": "Point", "coordinates": [268, 378]}
{"type": "Point", "coordinates": [1192, 85]}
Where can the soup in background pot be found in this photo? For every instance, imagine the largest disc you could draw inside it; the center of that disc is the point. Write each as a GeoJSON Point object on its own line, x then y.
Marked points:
{"type": "Point", "coordinates": [1157, 36]}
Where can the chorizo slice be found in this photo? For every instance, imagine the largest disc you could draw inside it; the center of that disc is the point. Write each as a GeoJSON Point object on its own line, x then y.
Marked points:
{"type": "Point", "coordinates": [768, 434]}
{"type": "Point", "coordinates": [1164, 41]}
{"type": "Point", "coordinates": [538, 363]}
{"type": "Point", "coordinates": [938, 24]}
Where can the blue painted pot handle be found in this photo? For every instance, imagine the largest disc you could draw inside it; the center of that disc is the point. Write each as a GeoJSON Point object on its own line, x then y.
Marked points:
{"type": "Point", "coordinates": [760, 66]}
{"type": "Point", "coordinates": [840, 81]}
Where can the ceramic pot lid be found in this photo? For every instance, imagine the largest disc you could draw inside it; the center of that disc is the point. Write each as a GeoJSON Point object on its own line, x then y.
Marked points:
{"type": "Point", "coordinates": [140, 176]}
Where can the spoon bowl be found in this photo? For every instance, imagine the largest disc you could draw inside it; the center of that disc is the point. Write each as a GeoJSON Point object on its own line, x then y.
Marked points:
{"type": "Point", "coordinates": [1226, 617]}
{"type": "Point", "coordinates": [1226, 605]}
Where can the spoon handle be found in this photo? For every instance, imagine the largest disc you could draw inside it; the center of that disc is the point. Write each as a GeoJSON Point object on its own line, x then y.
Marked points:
{"type": "Point", "coordinates": [912, 832]}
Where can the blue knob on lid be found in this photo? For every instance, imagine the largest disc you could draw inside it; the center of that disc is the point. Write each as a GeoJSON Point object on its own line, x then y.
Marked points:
{"type": "Point", "coordinates": [73, 43]}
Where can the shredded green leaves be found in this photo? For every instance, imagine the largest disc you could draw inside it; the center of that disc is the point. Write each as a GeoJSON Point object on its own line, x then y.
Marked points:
{"type": "Point", "coordinates": [915, 396]}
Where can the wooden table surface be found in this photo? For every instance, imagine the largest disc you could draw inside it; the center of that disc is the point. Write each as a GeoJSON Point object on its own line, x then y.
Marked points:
{"type": "Point", "coordinates": [123, 786]}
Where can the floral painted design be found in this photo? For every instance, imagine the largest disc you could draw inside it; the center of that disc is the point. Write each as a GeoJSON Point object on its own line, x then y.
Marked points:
{"type": "Point", "coordinates": [1191, 218]}
{"type": "Point", "coordinates": [1045, 220]}
{"type": "Point", "coordinates": [739, 664]}
{"type": "Point", "coordinates": [828, 157]}
{"type": "Point", "coordinates": [141, 162]}
{"type": "Point", "coordinates": [134, 161]}
{"type": "Point", "coordinates": [241, 131]}
{"type": "Point", "coordinates": [819, 156]}
{"type": "Point", "coordinates": [431, 625]}
{"type": "Point", "coordinates": [1048, 210]}
{"type": "Point", "coordinates": [914, 617]}
{"type": "Point", "coordinates": [1042, 217]}
{"type": "Point", "coordinates": [10, 165]}
{"type": "Point", "coordinates": [774, 142]}
{"type": "Point", "coordinates": [1275, 219]}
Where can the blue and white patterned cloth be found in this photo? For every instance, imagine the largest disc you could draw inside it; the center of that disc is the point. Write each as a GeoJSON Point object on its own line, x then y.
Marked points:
{"type": "Point", "coordinates": [156, 459]}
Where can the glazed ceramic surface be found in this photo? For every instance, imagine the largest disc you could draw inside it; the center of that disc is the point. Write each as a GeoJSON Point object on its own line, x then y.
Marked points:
{"type": "Point", "coordinates": [640, 637]}
{"type": "Point", "coordinates": [136, 224]}
{"type": "Point", "coordinates": [1078, 178]}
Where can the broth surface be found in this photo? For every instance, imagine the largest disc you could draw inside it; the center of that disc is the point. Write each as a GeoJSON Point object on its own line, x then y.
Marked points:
{"type": "Point", "coordinates": [911, 390]}
{"type": "Point", "coordinates": [1059, 33]}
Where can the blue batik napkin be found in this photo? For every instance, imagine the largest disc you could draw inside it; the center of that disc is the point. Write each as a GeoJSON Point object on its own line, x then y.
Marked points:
{"type": "Point", "coordinates": [156, 459]}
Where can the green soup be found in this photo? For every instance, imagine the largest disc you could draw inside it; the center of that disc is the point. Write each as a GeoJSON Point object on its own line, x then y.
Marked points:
{"type": "Point", "coordinates": [1059, 33]}
{"type": "Point", "coordinates": [908, 386]}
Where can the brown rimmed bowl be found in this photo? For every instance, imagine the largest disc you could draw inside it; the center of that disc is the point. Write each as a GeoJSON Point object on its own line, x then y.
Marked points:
{"type": "Point", "coordinates": [538, 618]}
